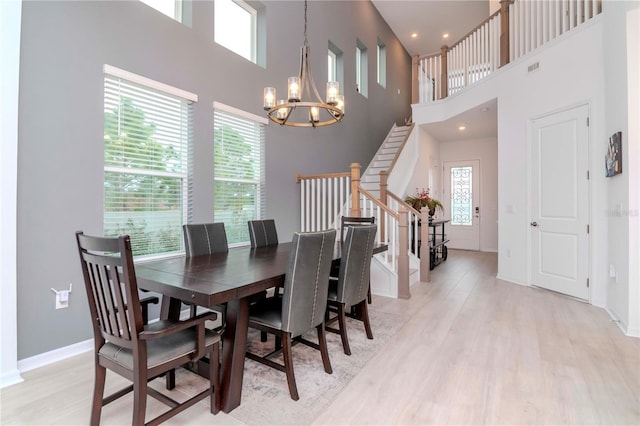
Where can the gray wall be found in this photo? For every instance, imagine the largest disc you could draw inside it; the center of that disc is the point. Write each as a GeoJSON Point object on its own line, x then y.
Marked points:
{"type": "Point", "coordinates": [60, 158]}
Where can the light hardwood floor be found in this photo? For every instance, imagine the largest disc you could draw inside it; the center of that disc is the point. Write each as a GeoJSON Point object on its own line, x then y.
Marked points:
{"type": "Point", "coordinates": [476, 350]}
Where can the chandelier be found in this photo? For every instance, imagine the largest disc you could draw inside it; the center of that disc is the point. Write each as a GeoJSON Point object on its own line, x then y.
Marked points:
{"type": "Point", "coordinates": [300, 109]}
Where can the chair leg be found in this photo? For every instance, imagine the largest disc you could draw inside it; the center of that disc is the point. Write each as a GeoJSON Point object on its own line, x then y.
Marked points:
{"type": "Point", "coordinates": [214, 377]}
{"type": "Point", "coordinates": [322, 341]}
{"type": "Point", "coordinates": [193, 310]}
{"type": "Point", "coordinates": [98, 393]}
{"type": "Point", "coordinates": [139, 398]}
{"type": "Point", "coordinates": [342, 324]}
{"type": "Point", "coordinates": [365, 318]}
{"type": "Point", "coordinates": [369, 294]}
{"type": "Point", "coordinates": [288, 366]}
{"type": "Point", "coordinates": [170, 378]}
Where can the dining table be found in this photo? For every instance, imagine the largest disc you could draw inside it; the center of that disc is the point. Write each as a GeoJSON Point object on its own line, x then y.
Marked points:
{"type": "Point", "coordinates": [230, 278]}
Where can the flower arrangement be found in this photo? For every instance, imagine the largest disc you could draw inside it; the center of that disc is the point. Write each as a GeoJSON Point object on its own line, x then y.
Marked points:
{"type": "Point", "coordinates": [422, 199]}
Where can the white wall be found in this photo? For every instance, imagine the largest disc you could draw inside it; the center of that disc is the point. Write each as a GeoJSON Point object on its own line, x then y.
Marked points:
{"type": "Point", "coordinates": [570, 73]}
{"type": "Point", "coordinates": [622, 196]}
{"type": "Point", "coordinates": [485, 150]}
{"type": "Point", "coordinates": [10, 20]}
{"type": "Point", "coordinates": [427, 174]}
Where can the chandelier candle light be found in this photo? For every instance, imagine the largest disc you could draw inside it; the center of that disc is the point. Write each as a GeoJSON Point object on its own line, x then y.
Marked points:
{"type": "Point", "coordinates": [282, 112]}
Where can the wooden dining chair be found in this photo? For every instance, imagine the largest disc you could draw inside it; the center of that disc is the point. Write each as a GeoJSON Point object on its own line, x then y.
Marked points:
{"type": "Point", "coordinates": [262, 232]}
{"type": "Point", "coordinates": [351, 288]}
{"type": "Point", "coordinates": [302, 306]}
{"type": "Point", "coordinates": [124, 345]}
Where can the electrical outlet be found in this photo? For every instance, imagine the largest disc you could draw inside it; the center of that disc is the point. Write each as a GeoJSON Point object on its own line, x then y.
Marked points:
{"type": "Point", "coordinates": [62, 299]}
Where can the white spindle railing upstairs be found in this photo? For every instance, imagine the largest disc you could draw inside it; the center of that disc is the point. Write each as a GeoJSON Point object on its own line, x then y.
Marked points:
{"type": "Point", "coordinates": [518, 28]}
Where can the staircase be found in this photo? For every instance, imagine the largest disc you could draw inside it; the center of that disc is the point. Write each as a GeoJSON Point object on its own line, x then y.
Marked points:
{"type": "Point", "coordinates": [384, 158]}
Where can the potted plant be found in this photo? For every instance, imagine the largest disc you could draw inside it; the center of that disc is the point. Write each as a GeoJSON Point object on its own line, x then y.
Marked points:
{"type": "Point", "coordinates": [422, 199]}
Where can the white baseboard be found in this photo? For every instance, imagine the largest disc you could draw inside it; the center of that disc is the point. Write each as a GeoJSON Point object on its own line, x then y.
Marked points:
{"type": "Point", "coordinates": [511, 280]}
{"type": "Point", "coordinates": [623, 326]}
{"type": "Point", "coordinates": [9, 378]}
{"type": "Point", "coordinates": [55, 355]}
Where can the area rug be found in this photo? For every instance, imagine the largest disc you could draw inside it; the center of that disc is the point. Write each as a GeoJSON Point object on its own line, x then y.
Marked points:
{"type": "Point", "coordinates": [265, 394]}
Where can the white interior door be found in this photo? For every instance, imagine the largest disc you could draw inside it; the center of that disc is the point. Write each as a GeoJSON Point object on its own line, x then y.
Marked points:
{"type": "Point", "coordinates": [560, 202]}
{"type": "Point", "coordinates": [461, 184]}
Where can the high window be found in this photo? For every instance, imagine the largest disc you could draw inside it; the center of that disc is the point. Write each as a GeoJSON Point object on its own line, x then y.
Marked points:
{"type": "Point", "coordinates": [335, 70]}
{"type": "Point", "coordinates": [382, 64]}
{"type": "Point", "coordinates": [171, 8]}
{"type": "Point", "coordinates": [361, 68]}
{"type": "Point", "coordinates": [235, 27]}
{"type": "Point", "coordinates": [147, 128]}
{"type": "Point", "coordinates": [238, 170]}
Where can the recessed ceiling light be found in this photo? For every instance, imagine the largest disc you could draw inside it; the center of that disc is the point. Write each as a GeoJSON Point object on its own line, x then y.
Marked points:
{"type": "Point", "coordinates": [462, 127]}
{"type": "Point", "coordinates": [445, 35]}
{"type": "Point", "coordinates": [414, 35]}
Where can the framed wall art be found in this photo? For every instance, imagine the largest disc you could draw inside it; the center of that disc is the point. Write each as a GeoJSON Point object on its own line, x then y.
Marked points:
{"type": "Point", "coordinates": [613, 158]}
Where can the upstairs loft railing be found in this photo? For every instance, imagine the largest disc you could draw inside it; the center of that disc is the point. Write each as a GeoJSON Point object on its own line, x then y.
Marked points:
{"type": "Point", "coordinates": [517, 28]}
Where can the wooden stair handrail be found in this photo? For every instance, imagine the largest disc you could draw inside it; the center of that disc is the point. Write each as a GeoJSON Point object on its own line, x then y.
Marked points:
{"type": "Point", "coordinates": [300, 177]}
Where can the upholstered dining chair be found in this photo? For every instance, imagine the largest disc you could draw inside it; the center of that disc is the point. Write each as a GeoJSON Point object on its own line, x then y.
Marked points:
{"type": "Point", "coordinates": [345, 223]}
{"type": "Point", "coordinates": [351, 287]}
{"type": "Point", "coordinates": [123, 344]}
{"type": "Point", "coordinates": [302, 306]}
{"type": "Point", "coordinates": [205, 238]}
{"type": "Point", "coordinates": [262, 232]}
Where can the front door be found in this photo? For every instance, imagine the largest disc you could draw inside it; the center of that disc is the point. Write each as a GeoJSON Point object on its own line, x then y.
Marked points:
{"type": "Point", "coordinates": [462, 203]}
{"type": "Point", "coordinates": [560, 202]}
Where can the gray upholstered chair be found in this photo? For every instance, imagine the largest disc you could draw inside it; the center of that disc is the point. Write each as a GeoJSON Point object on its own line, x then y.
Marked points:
{"type": "Point", "coordinates": [131, 349]}
{"type": "Point", "coordinates": [303, 304]}
{"type": "Point", "coordinates": [201, 239]}
{"type": "Point", "coordinates": [346, 222]}
{"type": "Point", "coordinates": [204, 238]}
{"type": "Point", "coordinates": [351, 287]}
{"type": "Point", "coordinates": [262, 232]}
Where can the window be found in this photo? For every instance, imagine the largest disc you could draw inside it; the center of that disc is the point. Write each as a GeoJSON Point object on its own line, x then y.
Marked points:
{"type": "Point", "coordinates": [147, 128]}
{"type": "Point", "coordinates": [171, 8]}
{"type": "Point", "coordinates": [238, 166]}
{"type": "Point", "coordinates": [382, 64]}
{"type": "Point", "coordinates": [332, 62]}
{"type": "Point", "coordinates": [461, 195]}
{"type": "Point", "coordinates": [361, 68]}
{"type": "Point", "coordinates": [235, 24]}
{"type": "Point", "coordinates": [335, 70]}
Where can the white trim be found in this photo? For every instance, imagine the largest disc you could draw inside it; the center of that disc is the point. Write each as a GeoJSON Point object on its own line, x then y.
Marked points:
{"type": "Point", "coordinates": [511, 280]}
{"type": "Point", "coordinates": [117, 72]}
{"type": "Point", "coordinates": [10, 24]}
{"type": "Point", "coordinates": [624, 327]}
{"type": "Point", "coordinates": [240, 113]}
{"type": "Point", "coordinates": [55, 355]}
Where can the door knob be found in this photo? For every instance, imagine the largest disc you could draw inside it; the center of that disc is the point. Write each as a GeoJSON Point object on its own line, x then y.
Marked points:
{"type": "Point", "coordinates": [535, 224]}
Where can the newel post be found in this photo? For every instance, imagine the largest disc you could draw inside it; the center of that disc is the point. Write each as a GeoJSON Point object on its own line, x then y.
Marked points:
{"type": "Point", "coordinates": [504, 31]}
{"type": "Point", "coordinates": [355, 190]}
{"type": "Point", "coordinates": [384, 177]}
{"type": "Point", "coordinates": [444, 73]}
{"type": "Point", "coordinates": [425, 252]}
{"type": "Point", "coordinates": [403, 255]}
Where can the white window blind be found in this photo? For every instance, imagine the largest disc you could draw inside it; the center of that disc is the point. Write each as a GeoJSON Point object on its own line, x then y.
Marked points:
{"type": "Point", "coordinates": [146, 137]}
{"type": "Point", "coordinates": [238, 171]}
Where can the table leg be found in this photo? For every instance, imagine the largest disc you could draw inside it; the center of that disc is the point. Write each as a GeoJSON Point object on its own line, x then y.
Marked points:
{"type": "Point", "coordinates": [234, 346]}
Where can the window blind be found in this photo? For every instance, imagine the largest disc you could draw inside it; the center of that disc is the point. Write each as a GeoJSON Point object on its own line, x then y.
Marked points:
{"type": "Point", "coordinates": [238, 172]}
{"type": "Point", "coordinates": [146, 137]}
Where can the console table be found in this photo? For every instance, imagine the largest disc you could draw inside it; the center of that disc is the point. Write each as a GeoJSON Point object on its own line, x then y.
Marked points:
{"type": "Point", "coordinates": [437, 244]}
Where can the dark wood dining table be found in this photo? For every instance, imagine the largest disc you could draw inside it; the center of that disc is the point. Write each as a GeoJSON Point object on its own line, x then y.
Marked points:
{"type": "Point", "coordinates": [231, 278]}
